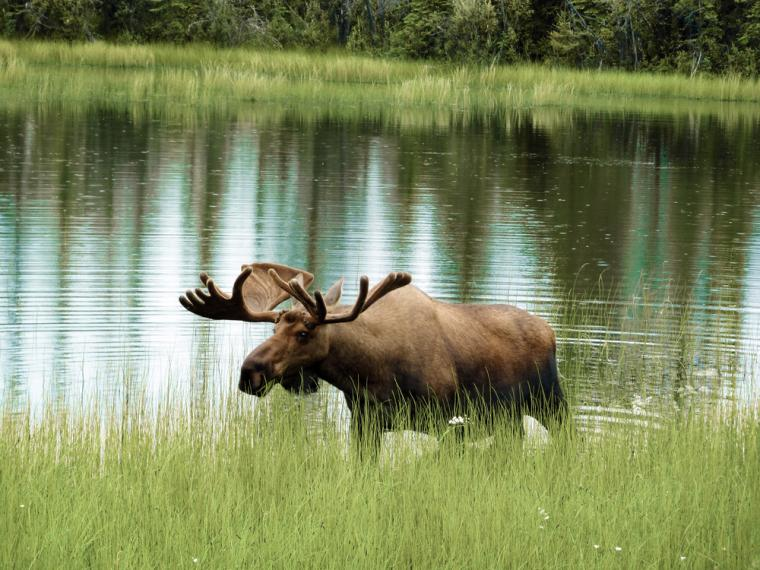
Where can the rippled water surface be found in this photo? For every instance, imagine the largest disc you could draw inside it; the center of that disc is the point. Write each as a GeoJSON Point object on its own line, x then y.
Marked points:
{"type": "Point", "coordinates": [652, 223]}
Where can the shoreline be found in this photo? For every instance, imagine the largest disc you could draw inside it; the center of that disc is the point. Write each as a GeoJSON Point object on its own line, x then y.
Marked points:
{"type": "Point", "coordinates": [206, 78]}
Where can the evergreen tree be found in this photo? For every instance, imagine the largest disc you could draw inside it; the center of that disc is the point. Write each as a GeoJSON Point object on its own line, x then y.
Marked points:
{"type": "Point", "coordinates": [471, 34]}
{"type": "Point", "coordinates": [422, 33]}
{"type": "Point", "coordinates": [691, 36]}
{"type": "Point", "coordinates": [747, 52]}
{"type": "Point", "coordinates": [171, 20]}
{"type": "Point", "coordinates": [514, 41]}
{"type": "Point", "coordinates": [749, 31]}
{"type": "Point", "coordinates": [576, 38]}
{"type": "Point", "coordinates": [631, 35]}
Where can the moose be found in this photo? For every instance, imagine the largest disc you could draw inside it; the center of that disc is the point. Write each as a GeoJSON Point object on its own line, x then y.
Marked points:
{"type": "Point", "coordinates": [395, 347]}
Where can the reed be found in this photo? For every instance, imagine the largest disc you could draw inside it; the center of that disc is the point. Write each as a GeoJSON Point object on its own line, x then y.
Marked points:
{"type": "Point", "coordinates": [231, 485]}
{"type": "Point", "coordinates": [215, 480]}
{"type": "Point", "coordinates": [201, 476]}
{"type": "Point", "coordinates": [200, 77]}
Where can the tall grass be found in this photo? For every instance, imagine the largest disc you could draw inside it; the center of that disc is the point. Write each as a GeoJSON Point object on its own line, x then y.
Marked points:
{"type": "Point", "coordinates": [222, 483]}
{"type": "Point", "coordinates": [621, 343]}
{"type": "Point", "coordinates": [229, 486]}
{"type": "Point", "coordinates": [334, 67]}
{"type": "Point", "coordinates": [204, 77]}
{"type": "Point", "coordinates": [214, 479]}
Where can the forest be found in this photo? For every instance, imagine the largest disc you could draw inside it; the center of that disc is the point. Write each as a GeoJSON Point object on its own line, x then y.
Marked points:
{"type": "Point", "coordinates": [685, 36]}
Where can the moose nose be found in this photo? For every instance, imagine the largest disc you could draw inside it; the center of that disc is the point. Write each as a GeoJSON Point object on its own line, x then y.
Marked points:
{"type": "Point", "coordinates": [253, 375]}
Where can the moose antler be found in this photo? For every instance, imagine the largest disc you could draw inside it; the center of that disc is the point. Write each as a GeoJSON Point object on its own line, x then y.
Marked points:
{"type": "Point", "coordinates": [318, 309]}
{"type": "Point", "coordinates": [253, 297]}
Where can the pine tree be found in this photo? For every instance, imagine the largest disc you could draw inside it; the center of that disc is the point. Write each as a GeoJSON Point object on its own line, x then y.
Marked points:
{"type": "Point", "coordinates": [514, 39]}
{"type": "Point", "coordinates": [423, 30]}
{"type": "Point", "coordinates": [171, 20]}
{"type": "Point", "coordinates": [576, 37]}
{"type": "Point", "coordinates": [749, 31]}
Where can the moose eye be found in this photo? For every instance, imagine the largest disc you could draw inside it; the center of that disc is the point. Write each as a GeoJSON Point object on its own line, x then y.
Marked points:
{"type": "Point", "coordinates": [303, 336]}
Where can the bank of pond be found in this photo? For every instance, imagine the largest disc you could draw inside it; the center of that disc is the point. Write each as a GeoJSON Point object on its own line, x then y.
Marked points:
{"type": "Point", "coordinates": [118, 154]}
{"type": "Point", "coordinates": [185, 80]}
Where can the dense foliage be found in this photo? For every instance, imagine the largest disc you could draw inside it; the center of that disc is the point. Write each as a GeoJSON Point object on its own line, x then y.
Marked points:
{"type": "Point", "coordinates": [685, 35]}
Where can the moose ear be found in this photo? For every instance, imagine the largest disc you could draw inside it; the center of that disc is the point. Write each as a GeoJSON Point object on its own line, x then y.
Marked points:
{"type": "Point", "coordinates": [332, 297]}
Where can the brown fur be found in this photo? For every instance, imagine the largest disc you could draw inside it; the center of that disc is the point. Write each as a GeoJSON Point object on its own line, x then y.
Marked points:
{"type": "Point", "coordinates": [410, 350]}
{"type": "Point", "coordinates": [397, 350]}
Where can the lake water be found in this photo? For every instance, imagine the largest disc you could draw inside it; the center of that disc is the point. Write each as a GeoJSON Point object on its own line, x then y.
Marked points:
{"type": "Point", "coordinates": [106, 217]}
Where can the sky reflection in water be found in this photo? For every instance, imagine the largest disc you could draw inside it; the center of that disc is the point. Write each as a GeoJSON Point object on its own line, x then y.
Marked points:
{"type": "Point", "coordinates": [106, 219]}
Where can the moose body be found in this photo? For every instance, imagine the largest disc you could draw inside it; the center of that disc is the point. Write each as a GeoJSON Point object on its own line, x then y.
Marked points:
{"type": "Point", "coordinates": [408, 353]}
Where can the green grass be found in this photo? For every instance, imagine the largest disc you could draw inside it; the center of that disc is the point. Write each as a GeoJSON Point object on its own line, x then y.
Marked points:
{"type": "Point", "coordinates": [228, 485]}
{"type": "Point", "coordinates": [233, 487]}
{"type": "Point", "coordinates": [213, 477]}
{"type": "Point", "coordinates": [192, 79]}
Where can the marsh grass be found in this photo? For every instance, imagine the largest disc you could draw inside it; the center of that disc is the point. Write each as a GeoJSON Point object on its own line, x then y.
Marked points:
{"type": "Point", "coordinates": [623, 343]}
{"type": "Point", "coordinates": [230, 485]}
{"type": "Point", "coordinates": [200, 476]}
{"type": "Point", "coordinates": [219, 482]}
{"type": "Point", "coordinates": [187, 80]}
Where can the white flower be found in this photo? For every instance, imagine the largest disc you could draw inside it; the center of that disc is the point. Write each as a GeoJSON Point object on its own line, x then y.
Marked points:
{"type": "Point", "coordinates": [641, 402]}
{"type": "Point", "coordinates": [683, 558]}
{"type": "Point", "coordinates": [458, 420]}
{"type": "Point", "coordinates": [22, 506]}
{"type": "Point", "coordinates": [596, 546]}
{"type": "Point", "coordinates": [195, 561]}
{"type": "Point", "coordinates": [618, 549]}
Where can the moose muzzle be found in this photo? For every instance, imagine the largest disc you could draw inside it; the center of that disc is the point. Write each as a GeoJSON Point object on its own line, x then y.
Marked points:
{"type": "Point", "coordinates": [253, 376]}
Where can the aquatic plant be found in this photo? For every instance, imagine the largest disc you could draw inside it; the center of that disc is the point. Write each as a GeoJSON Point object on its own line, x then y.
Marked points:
{"type": "Point", "coordinates": [230, 484]}
{"type": "Point", "coordinates": [200, 79]}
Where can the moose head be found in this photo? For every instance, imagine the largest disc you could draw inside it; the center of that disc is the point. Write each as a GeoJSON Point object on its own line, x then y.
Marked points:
{"type": "Point", "coordinates": [301, 339]}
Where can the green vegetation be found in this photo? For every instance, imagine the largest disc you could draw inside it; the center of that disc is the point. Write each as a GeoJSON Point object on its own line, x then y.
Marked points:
{"type": "Point", "coordinates": [689, 36]}
{"type": "Point", "coordinates": [186, 80]}
{"type": "Point", "coordinates": [212, 479]}
{"type": "Point", "coordinates": [227, 487]}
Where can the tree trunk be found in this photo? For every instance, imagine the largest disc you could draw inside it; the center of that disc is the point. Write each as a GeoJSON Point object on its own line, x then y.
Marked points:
{"type": "Point", "coordinates": [344, 21]}
{"type": "Point", "coordinates": [370, 21]}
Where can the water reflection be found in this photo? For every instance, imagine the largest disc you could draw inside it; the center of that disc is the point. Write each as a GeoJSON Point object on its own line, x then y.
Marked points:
{"type": "Point", "coordinates": [106, 218]}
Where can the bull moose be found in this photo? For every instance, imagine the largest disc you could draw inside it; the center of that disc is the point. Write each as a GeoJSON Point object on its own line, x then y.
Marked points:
{"type": "Point", "coordinates": [395, 346]}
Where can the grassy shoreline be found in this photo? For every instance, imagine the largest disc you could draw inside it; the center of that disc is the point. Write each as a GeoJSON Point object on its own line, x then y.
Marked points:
{"type": "Point", "coordinates": [203, 77]}
{"type": "Point", "coordinates": [229, 486]}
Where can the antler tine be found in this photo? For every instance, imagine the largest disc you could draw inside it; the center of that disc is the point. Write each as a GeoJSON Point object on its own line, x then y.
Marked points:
{"type": "Point", "coordinates": [296, 291]}
{"type": "Point", "coordinates": [317, 307]}
{"type": "Point", "coordinates": [392, 281]}
{"type": "Point", "coordinates": [303, 296]}
{"type": "Point", "coordinates": [281, 283]}
{"type": "Point", "coordinates": [358, 307]}
{"type": "Point", "coordinates": [219, 305]}
{"type": "Point", "coordinates": [321, 306]}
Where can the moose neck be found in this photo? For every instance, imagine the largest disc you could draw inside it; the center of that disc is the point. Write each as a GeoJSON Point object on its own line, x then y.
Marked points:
{"type": "Point", "coordinates": [350, 362]}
